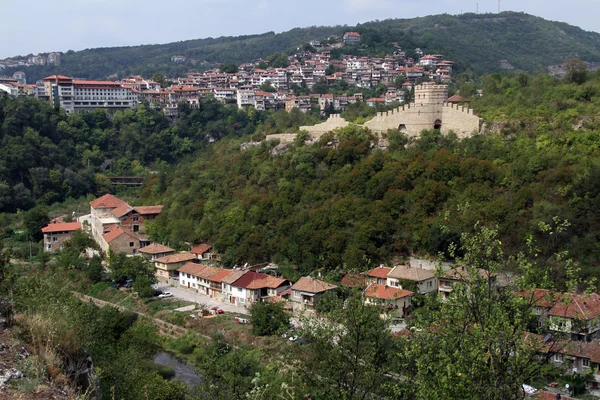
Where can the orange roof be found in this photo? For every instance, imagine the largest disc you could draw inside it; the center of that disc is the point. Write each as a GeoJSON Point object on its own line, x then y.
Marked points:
{"type": "Point", "coordinates": [61, 227]}
{"type": "Point", "coordinates": [176, 258]}
{"type": "Point", "coordinates": [457, 98]}
{"type": "Point", "coordinates": [352, 280]}
{"type": "Point", "coordinates": [95, 83]}
{"type": "Point", "coordinates": [201, 248]}
{"type": "Point", "coordinates": [192, 268]}
{"type": "Point", "coordinates": [116, 232]}
{"type": "Point", "coordinates": [379, 272]}
{"type": "Point", "coordinates": [218, 277]}
{"type": "Point", "coordinates": [577, 306]}
{"type": "Point", "coordinates": [233, 276]}
{"type": "Point", "coordinates": [121, 210]}
{"type": "Point", "coordinates": [386, 292]}
{"type": "Point", "coordinates": [148, 210]}
{"type": "Point", "coordinates": [156, 248]}
{"type": "Point", "coordinates": [208, 272]}
{"type": "Point", "coordinates": [107, 201]}
{"type": "Point", "coordinates": [312, 285]}
{"type": "Point", "coordinates": [53, 77]}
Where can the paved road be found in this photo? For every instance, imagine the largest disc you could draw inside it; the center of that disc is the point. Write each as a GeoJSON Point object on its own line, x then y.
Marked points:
{"type": "Point", "coordinates": [188, 295]}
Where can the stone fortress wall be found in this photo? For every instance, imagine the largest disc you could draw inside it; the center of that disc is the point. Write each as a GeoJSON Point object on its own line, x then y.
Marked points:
{"type": "Point", "coordinates": [430, 110]}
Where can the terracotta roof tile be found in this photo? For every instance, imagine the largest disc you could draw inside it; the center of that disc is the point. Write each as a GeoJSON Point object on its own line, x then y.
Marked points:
{"type": "Point", "coordinates": [121, 210]}
{"type": "Point", "coordinates": [385, 292]}
{"type": "Point", "coordinates": [192, 268]}
{"type": "Point", "coordinates": [312, 285]}
{"type": "Point", "coordinates": [410, 274]}
{"type": "Point", "coordinates": [201, 248]}
{"type": "Point", "coordinates": [379, 272]}
{"type": "Point", "coordinates": [148, 210]}
{"type": "Point", "coordinates": [107, 201]}
{"type": "Point", "coordinates": [219, 276]}
{"type": "Point", "coordinates": [61, 227]}
{"type": "Point", "coordinates": [233, 276]}
{"type": "Point", "coordinates": [116, 232]}
{"type": "Point", "coordinates": [156, 248]}
{"type": "Point", "coordinates": [175, 258]}
{"type": "Point", "coordinates": [351, 280]}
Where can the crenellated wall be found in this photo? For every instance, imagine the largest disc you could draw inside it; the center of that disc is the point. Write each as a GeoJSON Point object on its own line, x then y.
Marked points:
{"type": "Point", "coordinates": [333, 122]}
{"type": "Point", "coordinates": [430, 110]}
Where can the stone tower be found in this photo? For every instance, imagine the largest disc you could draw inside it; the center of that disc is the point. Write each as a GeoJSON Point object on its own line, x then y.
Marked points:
{"type": "Point", "coordinates": [430, 94]}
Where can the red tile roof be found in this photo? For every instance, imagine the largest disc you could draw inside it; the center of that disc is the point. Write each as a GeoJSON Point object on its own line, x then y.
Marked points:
{"type": "Point", "coordinates": [233, 276]}
{"type": "Point", "coordinates": [121, 210]}
{"type": "Point", "coordinates": [256, 280]}
{"type": "Point", "coordinates": [219, 276]}
{"type": "Point", "coordinates": [61, 227]}
{"type": "Point", "coordinates": [312, 285]}
{"type": "Point", "coordinates": [116, 232]}
{"type": "Point", "coordinates": [352, 280]}
{"type": "Point", "coordinates": [156, 248]}
{"type": "Point", "coordinates": [379, 272]}
{"type": "Point", "coordinates": [107, 201]}
{"type": "Point", "coordinates": [201, 248]}
{"type": "Point", "coordinates": [148, 210]}
{"type": "Point", "coordinates": [457, 98]}
{"type": "Point", "coordinates": [577, 306]}
{"type": "Point", "coordinates": [175, 258]}
{"type": "Point", "coordinates": [385, 292]}
{"type": "Point", "coordinates": [192, 268]}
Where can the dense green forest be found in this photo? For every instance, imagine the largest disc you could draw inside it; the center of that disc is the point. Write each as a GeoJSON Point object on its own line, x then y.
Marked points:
{"type": "Point", "coordinates": [47, 156]}
{"type": "Point", "coordinates": [351, 206]}
{"type": "Point", "coordinates": [477, 42]}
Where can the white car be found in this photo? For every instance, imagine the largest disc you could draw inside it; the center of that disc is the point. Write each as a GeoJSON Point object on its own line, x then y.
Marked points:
{"type": "Point", "coordinates": [164, 295]}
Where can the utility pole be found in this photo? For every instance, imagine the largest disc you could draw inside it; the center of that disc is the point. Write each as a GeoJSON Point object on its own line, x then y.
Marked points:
{"type": "Point", "coordinates": [477, 9]}
{"type": "Point", "coordinates": [498, 6]}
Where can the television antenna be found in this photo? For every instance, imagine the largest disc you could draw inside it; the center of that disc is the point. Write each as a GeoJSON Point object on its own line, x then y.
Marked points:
{"type": "Point", "coordinates": [498, 6]}
{"type": "Point", "coordinates": [477, 9]}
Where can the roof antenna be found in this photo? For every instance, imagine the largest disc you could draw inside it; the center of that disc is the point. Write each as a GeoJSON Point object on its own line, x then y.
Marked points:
{"type": "Point", "coordinates": [477, 9]}
{"type": "Point", "coordinates": [498, 6]}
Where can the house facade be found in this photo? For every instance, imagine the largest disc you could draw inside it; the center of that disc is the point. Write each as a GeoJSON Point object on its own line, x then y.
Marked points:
{"type": "Point", "coordinates": [307, 292]}
{"type": "Point", "coordinates": [167, 267]}
{"type": "Point", "coordinates": [120, 240]}
{"type": "Point", "coordinates": [392, 300]}
{"type": "Point", "coordinates": [156, 250]}
{"type": "Point", "coordinates": [378, 275]}
{"type": "Point", "coordinates": [55, 235]}
{"type": "Point", "coordinates": [424, 281]}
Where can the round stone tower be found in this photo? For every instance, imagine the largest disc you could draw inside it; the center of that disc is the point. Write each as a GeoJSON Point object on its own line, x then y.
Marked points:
{"type": "Point", "coordinates": [429, 93]}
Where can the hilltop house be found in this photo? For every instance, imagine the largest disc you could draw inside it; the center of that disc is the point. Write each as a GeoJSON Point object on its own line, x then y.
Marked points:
{"type": "Point", "coordinates": [56, 234]}
{"type": "Point", "coordinates": [228, 293]}
{"type": "Point", "coordinates": [454, 276]}
{"type": "Point", "coordinates": [203, 252]}
{"type": "Point", "coordinates": [378, 275]}
{"type": "Point", "coordinates": [307, 292]}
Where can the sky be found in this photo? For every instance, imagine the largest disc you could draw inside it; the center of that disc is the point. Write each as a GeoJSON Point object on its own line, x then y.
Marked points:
{"type": "Point", "coordinates": [36, 26]}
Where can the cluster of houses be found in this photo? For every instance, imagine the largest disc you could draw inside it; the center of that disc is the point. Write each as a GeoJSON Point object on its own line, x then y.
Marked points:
{"type": "Point", "coordinates": [246, 87]}
{"type": "Point", "coordinates": [119, 227]}
{"type": "Point", "coordinates": [38, 59]}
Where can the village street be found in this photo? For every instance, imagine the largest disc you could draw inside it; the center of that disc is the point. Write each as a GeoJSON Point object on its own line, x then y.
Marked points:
{"type": "Point", "coordinates": [188, 295]}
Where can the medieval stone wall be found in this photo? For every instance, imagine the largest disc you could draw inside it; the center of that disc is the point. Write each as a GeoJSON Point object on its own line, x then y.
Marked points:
{"type": "Point", "coordinates": [333, 122]}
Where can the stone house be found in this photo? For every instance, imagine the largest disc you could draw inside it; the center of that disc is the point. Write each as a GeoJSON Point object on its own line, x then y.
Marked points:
{"type": "Point", "coordinates": [454, 276]}
{"type": "Point", "coordinates": [167, 266]}
{"type": "Point", "coordinates": [56, 234]}
{"type": "Point", "coordinates": [120, 240]}
{"type": "Point", "coordinates": [133, 218]}
{"type": "Point", "coordinates": [307, 292]}
{"type": "Point", "coordinates": [390, 299]}
{"type": "Point", "coordinates": [203, 252]}
{"type": "Point", "coordinates": [102, 218]}
{"type": "Point", "coordinates": [424, 281]}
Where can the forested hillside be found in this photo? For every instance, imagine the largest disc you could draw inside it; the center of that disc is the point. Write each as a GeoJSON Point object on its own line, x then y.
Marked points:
{"type": "Point", "coordinates": [355, 206]}
{"type": "Point", "coordinates": [47, 156]}
{"type": "Point", "coordinates": [477, 42]}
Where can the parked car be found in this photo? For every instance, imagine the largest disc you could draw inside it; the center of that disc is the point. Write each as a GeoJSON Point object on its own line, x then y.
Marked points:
{"type": "Point", "coordinates": [128, 283]}
{"type": "Point", "coordinates": [164, 295]}
{"type": "Point", "coordinates": [156, 293]}
{"type": "Point", "coordinates": [217, 310]}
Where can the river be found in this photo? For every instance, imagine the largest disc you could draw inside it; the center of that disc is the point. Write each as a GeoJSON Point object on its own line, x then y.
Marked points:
{"type": "Point", "coordinates": [183, 372]}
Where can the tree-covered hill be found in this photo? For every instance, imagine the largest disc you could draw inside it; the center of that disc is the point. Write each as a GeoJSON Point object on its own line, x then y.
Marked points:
{"type": "Point", "coordinates": [477, 42]}
{"type": "Point", "coordinates": [352, 206]}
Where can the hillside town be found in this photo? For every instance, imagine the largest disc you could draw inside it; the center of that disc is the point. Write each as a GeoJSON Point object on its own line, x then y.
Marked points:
{"type": "Point", "coordinates": [119, 228]}
{"type": "Point", "coordinates": [255, 84]}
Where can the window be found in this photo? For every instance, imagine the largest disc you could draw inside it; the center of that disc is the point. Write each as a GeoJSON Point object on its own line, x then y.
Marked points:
{"type": "Point", "coordinates": [55, 239]}
{"type": "Point", "coordinates": [558, 357]}
{"type": "Point", "coordinates": [131, 244]}
{"type": "Point", "coordinates": [134, 251]}
{"type": "Point", "coordinates": [586, 362]}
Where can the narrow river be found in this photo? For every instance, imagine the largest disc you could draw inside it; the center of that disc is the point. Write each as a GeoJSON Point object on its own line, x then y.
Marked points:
{"type": "Point", "coordinates": [183, 372]}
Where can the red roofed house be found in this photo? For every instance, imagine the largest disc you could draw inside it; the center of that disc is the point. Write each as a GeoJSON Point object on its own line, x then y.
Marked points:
{"type": "Point", "coordinates": [576, 314]}
{"type": "Point", "coordinates": [307, 292]}
{"type": "Point", "coordinates": [378, 275]}
{"type": "Point", "coordinates": [351, 38]}
{"type": "Point", "coordinates": [253, 287]}
{"type": "Point", "coordinates": [102, 216]}
{"type": "Point", "coordinates": [56, 234]}
{"type": "Point", "coordinates": [203, 252]}
{"type": "Point", "coordinates": [120, 240]}
{"type": "Point", "coordinates": [391, 298]}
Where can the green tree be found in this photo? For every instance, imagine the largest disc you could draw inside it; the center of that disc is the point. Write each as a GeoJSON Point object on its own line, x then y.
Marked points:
{"type": "Point", "coordinates": [577, 71]}
{"type": "Point", "coordinates": [268, 318]}
{"type": "Point", "coordinates": [228, 68]}
{"type": "Point", "coordinates": [34, 220]}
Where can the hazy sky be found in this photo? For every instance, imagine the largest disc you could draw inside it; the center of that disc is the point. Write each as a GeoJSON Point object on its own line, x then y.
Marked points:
{"type": "Point", "coordinates": [32, 26]}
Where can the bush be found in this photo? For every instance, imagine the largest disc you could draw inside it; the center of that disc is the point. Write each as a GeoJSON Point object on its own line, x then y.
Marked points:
{"type": "Point", "coordinates": [165, 372]}
{"type": "Point", "coordinates": [268, 318]}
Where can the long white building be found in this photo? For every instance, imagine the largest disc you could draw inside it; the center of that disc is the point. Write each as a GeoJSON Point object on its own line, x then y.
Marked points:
{"type": "Point", "coordinates": [78, 95]}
